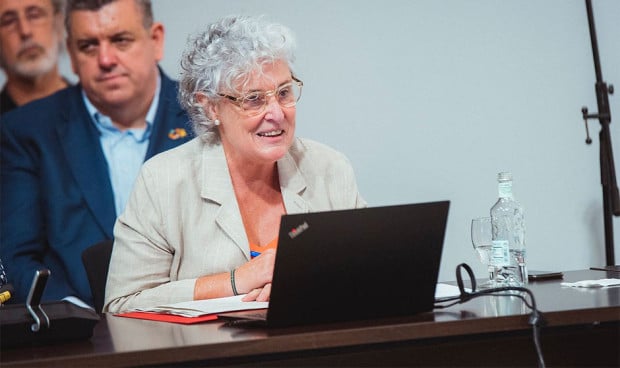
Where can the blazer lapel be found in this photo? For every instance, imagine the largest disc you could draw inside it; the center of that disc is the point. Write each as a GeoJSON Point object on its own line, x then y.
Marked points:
{"type": "Point", "coordinates": [79, 140]}
{"type": "Point", "coordinates": [171, 126]}
{"type": "Point", "coordinates": [292, 185]}
{"type": "Point", "coordinates": [217, 188]}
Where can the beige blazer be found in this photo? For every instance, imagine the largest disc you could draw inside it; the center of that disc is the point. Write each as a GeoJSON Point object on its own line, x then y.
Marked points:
{"type": "Point", "coordinates": [182, 220]}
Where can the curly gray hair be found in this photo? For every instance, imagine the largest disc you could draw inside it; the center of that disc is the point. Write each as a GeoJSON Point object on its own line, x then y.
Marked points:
{"type": "Point", "coordinates": [222, 57]}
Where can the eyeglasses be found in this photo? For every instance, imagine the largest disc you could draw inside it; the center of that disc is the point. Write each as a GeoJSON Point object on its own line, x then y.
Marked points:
{"type": "Point", "coordinates": [34, 15]}
{"type": "Point", "coordinates": [254, 103]}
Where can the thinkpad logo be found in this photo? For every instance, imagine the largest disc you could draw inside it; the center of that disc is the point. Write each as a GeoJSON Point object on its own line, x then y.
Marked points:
{"type": "Point", "coordinates": [298, 230]}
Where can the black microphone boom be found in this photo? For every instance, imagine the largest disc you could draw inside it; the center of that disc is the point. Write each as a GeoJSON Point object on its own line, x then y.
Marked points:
{"type": "Point", "coordinates": [611, 197]}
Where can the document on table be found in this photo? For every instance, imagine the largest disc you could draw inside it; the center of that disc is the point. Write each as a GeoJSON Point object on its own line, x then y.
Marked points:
{"type": "Point", "coordinates": [196, 308]}
{"type": "Point", "coordinates": [593, 283]}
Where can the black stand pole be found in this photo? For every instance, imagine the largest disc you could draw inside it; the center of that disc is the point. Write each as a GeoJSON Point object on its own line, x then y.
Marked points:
{"type": "Point", "coordinates": [611, 199]}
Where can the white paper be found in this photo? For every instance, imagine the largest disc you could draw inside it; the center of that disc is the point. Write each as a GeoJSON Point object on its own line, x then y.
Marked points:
{"type": "Point", "coordinates": [77, 301]}
{"type": "Point", "coordinates": [196, 308]}
{"type": "Point", "coordinates": [447, 291]}
{"type": "Point", "coordinates": [593, 283]}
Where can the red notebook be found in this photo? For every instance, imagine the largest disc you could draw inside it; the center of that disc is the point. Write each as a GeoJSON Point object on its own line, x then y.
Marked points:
{"type": "Point", "coordinates": [163, 317]}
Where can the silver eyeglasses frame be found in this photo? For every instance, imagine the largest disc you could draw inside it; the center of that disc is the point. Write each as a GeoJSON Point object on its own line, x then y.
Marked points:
{"type": "Point", "coordinates": [239, 101]}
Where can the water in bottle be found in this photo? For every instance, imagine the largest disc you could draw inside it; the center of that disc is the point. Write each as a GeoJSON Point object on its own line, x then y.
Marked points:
{"type": "Point", "coordinates": [507, 219]}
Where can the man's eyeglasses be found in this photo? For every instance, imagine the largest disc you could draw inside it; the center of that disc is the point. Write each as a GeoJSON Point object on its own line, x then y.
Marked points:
{"type": "Point", "coordinates": [254, 103]}
{"type": "Point", "coordinates": [33, 14]}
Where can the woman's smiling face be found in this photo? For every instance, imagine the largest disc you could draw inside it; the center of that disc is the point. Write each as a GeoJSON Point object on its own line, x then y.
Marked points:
{"type": "Point", "coordinates": [263, 138]}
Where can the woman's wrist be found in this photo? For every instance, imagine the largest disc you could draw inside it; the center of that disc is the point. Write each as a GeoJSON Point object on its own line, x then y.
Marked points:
{"type": "Point", "coordinates": [213, 286]}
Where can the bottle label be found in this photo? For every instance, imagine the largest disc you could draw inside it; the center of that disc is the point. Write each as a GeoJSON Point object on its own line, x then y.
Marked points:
{"type": "Point", "coordinates": [500, 255]}
{"type": "Point", "coordinates": [504, 189]}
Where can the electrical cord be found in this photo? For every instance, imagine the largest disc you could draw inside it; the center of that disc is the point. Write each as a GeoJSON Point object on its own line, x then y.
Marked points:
{"type": "Point", "coordinates": [536, 318]}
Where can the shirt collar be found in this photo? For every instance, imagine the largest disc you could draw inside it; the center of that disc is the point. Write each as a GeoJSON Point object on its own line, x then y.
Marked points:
{"type": "Point", "coordinates": [103, 122]}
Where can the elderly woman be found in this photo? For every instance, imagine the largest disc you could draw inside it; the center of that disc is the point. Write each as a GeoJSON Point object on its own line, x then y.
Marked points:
{"type": "Point", "coordinates": [203, 219]}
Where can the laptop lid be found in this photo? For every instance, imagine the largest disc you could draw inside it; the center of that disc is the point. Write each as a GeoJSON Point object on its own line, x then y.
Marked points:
{"type": "Point", "coordinates": [357, 264]}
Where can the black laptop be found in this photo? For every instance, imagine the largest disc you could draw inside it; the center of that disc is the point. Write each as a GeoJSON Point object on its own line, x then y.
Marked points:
{"type": "Point", "coordinates": [355, 264]}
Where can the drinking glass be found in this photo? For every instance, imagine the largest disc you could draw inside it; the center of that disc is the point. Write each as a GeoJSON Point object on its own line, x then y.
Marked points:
{"type": "Point", "coordinates": [482, 240]}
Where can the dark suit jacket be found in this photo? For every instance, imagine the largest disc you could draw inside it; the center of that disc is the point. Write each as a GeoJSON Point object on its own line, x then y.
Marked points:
{"type": "Point", "coordinates": [56, 195]}
{"type": "Point", "coordinates": [6, 102]}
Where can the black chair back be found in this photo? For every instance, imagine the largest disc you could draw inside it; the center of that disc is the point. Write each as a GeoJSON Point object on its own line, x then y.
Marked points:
{"type": "Point", "coordinates": [96, 260]}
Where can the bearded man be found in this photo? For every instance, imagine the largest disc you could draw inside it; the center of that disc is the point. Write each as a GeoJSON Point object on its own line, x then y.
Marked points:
{"type": "Point", "coordinates": [31, 39]}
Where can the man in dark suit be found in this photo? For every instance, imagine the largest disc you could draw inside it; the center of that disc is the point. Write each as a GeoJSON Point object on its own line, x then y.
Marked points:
{"type": "Point", "coordinates": [68, 161]}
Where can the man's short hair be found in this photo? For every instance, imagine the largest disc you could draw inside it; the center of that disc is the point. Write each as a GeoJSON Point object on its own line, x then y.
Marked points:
{"type": "Point", "coordinates": [93, 5]}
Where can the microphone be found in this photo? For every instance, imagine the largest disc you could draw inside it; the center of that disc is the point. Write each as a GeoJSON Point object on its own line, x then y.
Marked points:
{"type": "Point", "coordinates": [6, 291]}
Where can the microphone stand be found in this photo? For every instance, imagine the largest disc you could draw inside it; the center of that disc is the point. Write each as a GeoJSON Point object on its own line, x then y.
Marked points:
{"type": "Point", "coordinates": [611, 199]}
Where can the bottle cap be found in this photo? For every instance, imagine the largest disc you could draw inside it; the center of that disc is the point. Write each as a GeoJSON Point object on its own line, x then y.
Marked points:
{"type": "Point", "coordinates": [504, 176]}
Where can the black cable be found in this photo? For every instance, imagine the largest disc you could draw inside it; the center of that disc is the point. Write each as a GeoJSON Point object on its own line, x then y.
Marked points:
{"type": "Point", "coordinates": [536, 318]}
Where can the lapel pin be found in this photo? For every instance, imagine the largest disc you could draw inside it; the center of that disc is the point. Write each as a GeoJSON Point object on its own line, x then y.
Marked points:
{"type": "Point", "coordinates": [177, 133]}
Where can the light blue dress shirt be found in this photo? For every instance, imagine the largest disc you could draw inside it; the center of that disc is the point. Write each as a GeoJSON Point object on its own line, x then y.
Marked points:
{"type": "Point", "coordinates": [124, 150]}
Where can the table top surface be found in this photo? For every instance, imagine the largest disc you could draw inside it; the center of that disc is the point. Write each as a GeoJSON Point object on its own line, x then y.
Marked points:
{"type": "Point", "coordinates": [151, 342]}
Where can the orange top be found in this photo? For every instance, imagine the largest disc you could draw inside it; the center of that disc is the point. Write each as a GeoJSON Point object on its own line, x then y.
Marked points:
{"type": "Point", "coordinates": [256, 250]}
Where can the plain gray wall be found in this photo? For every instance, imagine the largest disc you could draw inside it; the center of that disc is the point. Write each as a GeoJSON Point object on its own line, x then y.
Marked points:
{"type": "Point", "coordinates": [431, 98]}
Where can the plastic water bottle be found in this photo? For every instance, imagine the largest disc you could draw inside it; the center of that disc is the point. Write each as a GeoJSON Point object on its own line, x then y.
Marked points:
{"type": "Point", "coordinates": [507, 219]}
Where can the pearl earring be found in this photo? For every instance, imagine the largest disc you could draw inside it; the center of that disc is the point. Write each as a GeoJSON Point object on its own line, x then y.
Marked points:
{"type": "Point", "coordinates": [216, 122]}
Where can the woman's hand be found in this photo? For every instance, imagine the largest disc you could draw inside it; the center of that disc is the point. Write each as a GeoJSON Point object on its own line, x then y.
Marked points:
{"type": "Point", "coordinates": [256, 275]}
{"type": "Point", "coordinates": [258, 295]}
